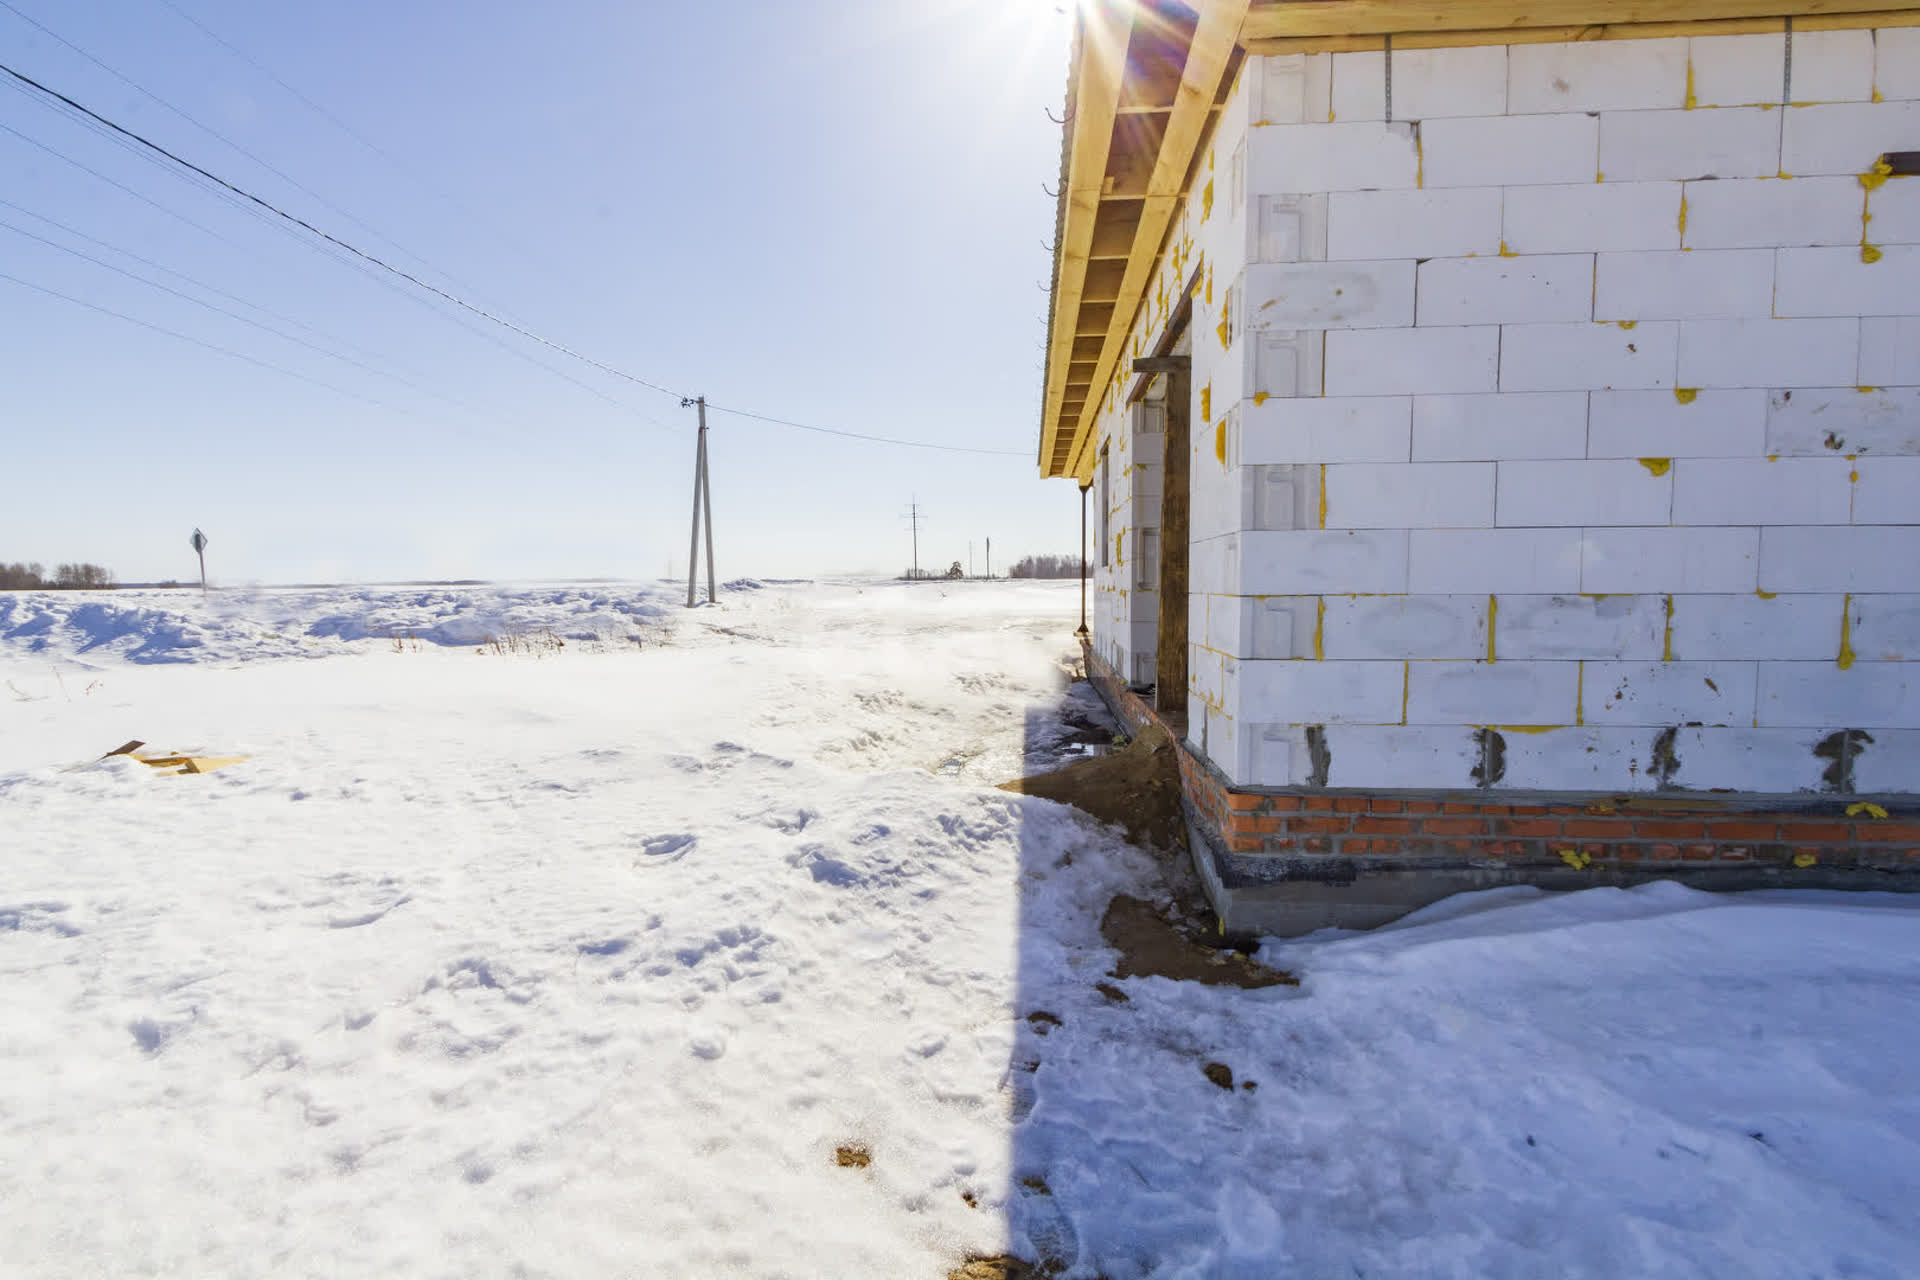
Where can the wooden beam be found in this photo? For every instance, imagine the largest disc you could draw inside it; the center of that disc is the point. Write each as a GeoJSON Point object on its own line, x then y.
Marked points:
{"type": "Point", "coordinates": [1214, 41]}
{"type": "Point", "coordinates": [1270, 20]}
{"type": "Point", "coordinates": [1106, 27]}
{"type": "Point", "coordinates": [1560, 35]}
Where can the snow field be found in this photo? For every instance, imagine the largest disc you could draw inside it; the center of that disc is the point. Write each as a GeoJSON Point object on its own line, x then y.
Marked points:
{"type": "Point", "coordinates": [584, 961]}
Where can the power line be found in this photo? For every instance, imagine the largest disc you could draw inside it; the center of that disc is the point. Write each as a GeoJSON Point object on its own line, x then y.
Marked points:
{"type": "Point", "coordinates": [210, 346]}
{"type": "Point", "coordinates": [408, 276]}
{"type": "Point", "coordinates": [856, 435]}
{"type": "Point", "coordinates": [412, 171]}
{"type": "Point", "coordinates": [232, 315]}
{"type": "Point", "coordinates": [207, 129]}
{"type": "Point", "coordinates": [504, 323]}
{"type": "Point", "coordinates": [61, 156]}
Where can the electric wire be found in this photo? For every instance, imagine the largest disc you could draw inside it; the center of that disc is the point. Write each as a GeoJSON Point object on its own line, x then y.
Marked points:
{"type": "Point", "coordinates": [209, 130]}
{"type": "Point", "coordinates": [210, 346]}
{"type": "Point", "coordinates": [482, 312]}
{"type": "Point", "coordinates": [411, 170]}
{"type": "Point", "coordinates": [121, 186]}
{"type": "Point", "coordinates": [234, 315]}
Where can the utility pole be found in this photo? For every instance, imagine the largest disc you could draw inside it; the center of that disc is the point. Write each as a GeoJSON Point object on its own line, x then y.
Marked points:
{"type": "Point", "coordinates": [702, 493]}
{"type": "Point", "coordinates": [969, 557]}
{"type": "Point", "coordinates": [914, 518]}
{"type": "Point", "coordinates": [989, 557]}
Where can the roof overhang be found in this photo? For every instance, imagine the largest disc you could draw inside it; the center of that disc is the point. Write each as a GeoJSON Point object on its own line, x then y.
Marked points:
{"type": "Point", "coordinates": [1147, 79]}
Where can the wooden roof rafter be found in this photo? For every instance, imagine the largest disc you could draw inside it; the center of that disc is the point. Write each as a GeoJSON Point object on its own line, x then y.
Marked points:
{"type": "Point", "coordinates": [1153, 136]}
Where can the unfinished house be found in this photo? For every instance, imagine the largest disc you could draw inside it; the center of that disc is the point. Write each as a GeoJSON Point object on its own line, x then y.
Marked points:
{"type": "Point", "coordinates": [1499, 429]}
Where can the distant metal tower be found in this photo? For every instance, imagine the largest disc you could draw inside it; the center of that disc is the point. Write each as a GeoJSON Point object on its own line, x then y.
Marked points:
{"type": "Point", "coordinates": [913, 519]}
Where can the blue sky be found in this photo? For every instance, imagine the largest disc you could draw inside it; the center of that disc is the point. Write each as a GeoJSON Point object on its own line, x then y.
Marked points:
{"type": "Point", "coordinates": [830, 213]}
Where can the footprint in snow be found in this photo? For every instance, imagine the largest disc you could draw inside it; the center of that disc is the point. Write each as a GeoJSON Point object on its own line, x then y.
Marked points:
{"type": "Point", "coordinates": [657, 850]}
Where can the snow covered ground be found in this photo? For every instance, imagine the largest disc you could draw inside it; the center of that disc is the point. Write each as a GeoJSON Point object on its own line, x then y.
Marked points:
{"type": "Point", "coordinates": [563, 932]}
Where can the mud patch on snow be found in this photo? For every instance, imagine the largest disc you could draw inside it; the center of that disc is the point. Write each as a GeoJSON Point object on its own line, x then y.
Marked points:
{"type": "Point", "coordinates": [1136, 788]}
{"type": "Point", "coordinates": [1155, 942]}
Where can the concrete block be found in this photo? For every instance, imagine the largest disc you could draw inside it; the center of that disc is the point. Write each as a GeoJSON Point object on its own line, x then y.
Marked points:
{"type": "Point", "coordinates": [1315, 561]}
{"type": "Point", "coordinates": [1409, 495]}
{"type": "Point", "coordinates": [1667, 693]}
{"type": "Point", "coordinates": [1844, 420]}
{"type": "Point", "coordinates": [1535, 561]}
{"type": "Point", "coordinates": [1327, 429]}
{"type": "Point", "coordinates": [1576, 758]}
{"type": "Point", "coordinates": [1896, 213]}
{"type": "Point", "coordinates": [1419, 223]}
{"type": "Point", "coordinates": [1616, 628]}
{"type": "Point", "coordinates": [1846, 137]}
{"type": "Point", "coordinates": [1889, 763]}
{"type": "Point", "coordinates": [1213, 566]}
{"type": "Point", "coordinates": [1896, 71]}
{"type": "Point", "coordinates": [1829, 558]}
{"type": "Point", "coordinates": [1885, 628]}
{"type": "Point", "coordinates": [1197, 610]}
{"type": "Point", "coordinates": [1402, 627]}
{"type": "Point", "coordinates": [1832, 66]}
{"type": "Point", "coordinates": [1264, 627]}
{"type": "Point", "coordinates": [1589, 216]}
{"type": "Point", "coordinates": [1577, 357]}
{"type": "Point", "coordinates": [1289, 364]}
{"type": "Point", "coordinates": [1441, 757]}
{"type": "Point", "coordinates": [1597, 75]}
{"type": "Point", "coordinates": [1519, 424]}
{"type": "Point", "coordinates": [1738, 71]}
{"type": "Point", "coordinates": [1288, 229]}
{"type": "Point", "coordinates": [1279, 497]}
{"type": "Point", "coordinates": [1661, 424]}
{"type": "Point", "coordinates": [1620, 561]}
{"type": "Point", "coordinates": [1583, 491]}
{"type": "Point", "coordinates": [1746, 759]}
{"type": "Point", "coordinates": [1290, 89]}
{"type": "Point", "coordinates": [1220, 743]}
{"type": "Point", "coordinates": [1536, 289]}
{"type": "Point", "coordinates": [1712, 142]}
{"type": "Point", "coordinates": [1329, 295]}
{"type": "Point", "coordinates": [1276, 756]}
{"type": "Point", "coordinates": [1835, 282]}
{"type": "Point", "coordinates": [1768, 353]}
{"type": "Point", "coordinates": [1762, 491]}
{"type": "Point", "coordinates": [1819, 695]}
{"type": "Point", "coordinates": [1705, 284]}
{"type": "Point", "coordinates": [1751, 627]}
{"type": "Point", "coordinates": [1322, 692]}
{"type": "Point", "coordinates": [1508, 151]}
{"type": "Point", "coordinates": [1427, 83]}
{"type": "Point", "coordinates": [1435, 361]}
{"type": "Point", "coordinates": [1204, 677]}
{"type": "Point", "coordinates": [1890, 350]}
{"type": "Point", "coordinates": [1762, 213]}
{"type": "Point", "coordinates": [1491, 693]}
{"type": "Point", "coordinates": [1287, 159]}
{"type": "Point", "coordinates": [1888, 493]}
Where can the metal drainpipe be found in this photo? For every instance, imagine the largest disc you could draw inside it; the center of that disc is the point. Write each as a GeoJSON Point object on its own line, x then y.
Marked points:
{"type": "Point", "coordinates": [1082, 632]}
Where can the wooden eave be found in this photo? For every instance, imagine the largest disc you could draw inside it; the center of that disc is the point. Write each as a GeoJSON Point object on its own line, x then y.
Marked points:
{"type": "Point", "coordinates": [1146, 82]}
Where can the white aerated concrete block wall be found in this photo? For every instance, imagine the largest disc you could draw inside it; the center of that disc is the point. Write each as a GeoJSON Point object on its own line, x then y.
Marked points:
{"type": "Point", "coordinates": [1577, 404]}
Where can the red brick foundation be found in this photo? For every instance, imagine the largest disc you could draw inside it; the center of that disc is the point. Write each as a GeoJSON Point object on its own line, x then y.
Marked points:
{"type": "Point", "coordinates": [1267, 838]}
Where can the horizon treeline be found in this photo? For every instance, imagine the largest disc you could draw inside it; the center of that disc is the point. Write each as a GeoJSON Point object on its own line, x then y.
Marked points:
{"type": "Point", "coordinates": [66, 577]}
{"type": "Point", "coordinates": [1068, 566]}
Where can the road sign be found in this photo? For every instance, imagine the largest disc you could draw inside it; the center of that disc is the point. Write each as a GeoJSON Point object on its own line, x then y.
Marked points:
{"type": "Point", "coordinates": [199, 540]}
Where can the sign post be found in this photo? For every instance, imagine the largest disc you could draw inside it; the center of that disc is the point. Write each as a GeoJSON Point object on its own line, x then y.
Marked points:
{"type": "Point", "coordinates": [199, 544]}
